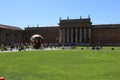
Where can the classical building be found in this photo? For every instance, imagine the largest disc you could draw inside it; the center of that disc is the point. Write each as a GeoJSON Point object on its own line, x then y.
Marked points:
{"type": "Point", "coordinates": [11, 34]}
{"type": "Point", "coordinates": [108, 34]}
{"type": "Point", "coordinates": [70, 31]}
{"type": "Point", "coordinates": [75, 31]}
{"type": "Point", "coordinates": [81, 31]}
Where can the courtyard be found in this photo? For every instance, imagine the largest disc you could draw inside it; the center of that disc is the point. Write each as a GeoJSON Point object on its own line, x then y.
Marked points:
{"type": "Point", "coordinates": [67, 64]}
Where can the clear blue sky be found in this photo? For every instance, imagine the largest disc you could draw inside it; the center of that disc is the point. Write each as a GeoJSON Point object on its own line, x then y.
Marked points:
{"type": "Point", "coordinates": [22, 13]}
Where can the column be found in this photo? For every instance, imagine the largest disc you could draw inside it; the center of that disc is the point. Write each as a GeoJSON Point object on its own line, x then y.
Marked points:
{"type": "Point", "coordinates": [71, 35]}
{"type": "Point", "coordinates": [89, 34]}
{"type": "Point", "coordinates": [84, 34]}
{"type": "Point", "coordinates": [80, 35]}
{"type": "Point", "coordinates": [67, 35]}
{"type": "Point", "coordinates": [63, 34]}
{"type": "Point", "coordinates": [76, 39]}
{"type": "Point", "coordinates": [60, 35]}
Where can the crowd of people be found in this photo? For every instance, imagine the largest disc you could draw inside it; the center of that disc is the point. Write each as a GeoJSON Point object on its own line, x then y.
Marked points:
{"type": "Point", "coordinates": [27, 46]}
{"type": "Point", "coordinates": [14, 46]}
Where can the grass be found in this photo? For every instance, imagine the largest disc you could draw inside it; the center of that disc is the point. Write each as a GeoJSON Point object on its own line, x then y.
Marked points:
{"type": "Point", "coordinates": [61, 65]}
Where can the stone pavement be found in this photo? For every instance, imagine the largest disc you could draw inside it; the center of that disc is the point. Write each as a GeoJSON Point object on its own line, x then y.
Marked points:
{"type": "Point", "coordinates": [30, 49]}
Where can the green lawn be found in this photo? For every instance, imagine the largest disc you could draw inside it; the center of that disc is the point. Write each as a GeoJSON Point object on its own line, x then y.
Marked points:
{"type": "Point", "coordinates": [61, 65]}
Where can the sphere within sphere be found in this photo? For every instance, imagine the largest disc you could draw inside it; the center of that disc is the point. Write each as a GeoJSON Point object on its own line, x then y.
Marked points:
{"type": "Point", "coordinates": [36, 41]}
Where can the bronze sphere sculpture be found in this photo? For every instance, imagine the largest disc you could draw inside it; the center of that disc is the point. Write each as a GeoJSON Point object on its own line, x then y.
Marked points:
{"type": "Point", "coordinates": [36, 41]}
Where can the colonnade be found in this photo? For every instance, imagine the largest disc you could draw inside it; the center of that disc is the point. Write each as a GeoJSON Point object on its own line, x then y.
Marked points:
{"type": "Point", "coordinates": [74, 35]}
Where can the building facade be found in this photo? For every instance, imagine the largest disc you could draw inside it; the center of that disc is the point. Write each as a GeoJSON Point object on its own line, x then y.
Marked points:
{"type": "Point", "coordinates": [75, 31]}
{"type": "Point", "coordinates": [81, 31]}
{"type": "Point", "coordinates": [11, 34]}
{"type": "Point", "coordinates": [106, 34]}
{"type": "Point", "coordinates": [70, 31]}
{"type": "Point", "coordinates": [50, 34]}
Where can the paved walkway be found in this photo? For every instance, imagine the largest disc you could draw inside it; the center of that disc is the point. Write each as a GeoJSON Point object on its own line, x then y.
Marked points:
{"type": "Point", "coordinates": [30, 49]}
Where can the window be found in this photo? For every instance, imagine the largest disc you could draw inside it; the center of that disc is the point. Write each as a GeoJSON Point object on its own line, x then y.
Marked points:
{"type": "Point", "coordinates": [7, 34]}
{"type": "Point", "coordinates": [16, 35]}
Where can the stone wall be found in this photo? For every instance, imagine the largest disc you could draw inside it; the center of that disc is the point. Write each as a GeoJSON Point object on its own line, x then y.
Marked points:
{"type": "Point", "coordinates": [11, 36]}
{"type": "Point", "coordinates": [50, 34]}
{"type": "Point", "coordinates": [106, 34]}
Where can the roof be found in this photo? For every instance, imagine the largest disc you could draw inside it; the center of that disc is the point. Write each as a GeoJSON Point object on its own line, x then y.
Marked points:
{"type": "Point", "coordinates": [75, 20]}
{"type": "Point", "coordinates": [9, 27]}
{"type": "Point", "coordinates": [44, 27]}
{"type": "Point", "coordinates": [108, 26]}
